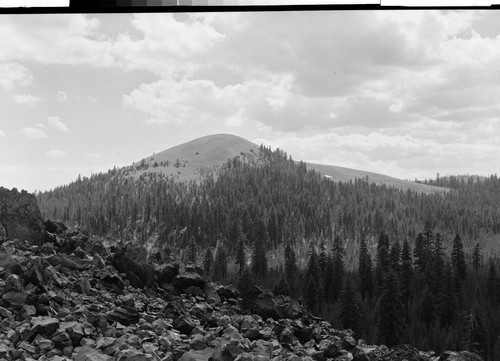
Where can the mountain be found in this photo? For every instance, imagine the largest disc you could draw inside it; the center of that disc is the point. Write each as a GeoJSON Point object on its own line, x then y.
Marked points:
{"type": "Point", "coordinates": [193, 159]}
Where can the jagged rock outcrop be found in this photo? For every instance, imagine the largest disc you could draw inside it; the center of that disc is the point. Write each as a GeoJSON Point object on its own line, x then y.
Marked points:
{"type": "Point", "coordinates": [20, 216]}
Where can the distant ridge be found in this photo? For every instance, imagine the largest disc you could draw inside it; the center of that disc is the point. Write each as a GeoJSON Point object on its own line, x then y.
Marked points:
{"type": "Point", "coordinates": [191, 160]}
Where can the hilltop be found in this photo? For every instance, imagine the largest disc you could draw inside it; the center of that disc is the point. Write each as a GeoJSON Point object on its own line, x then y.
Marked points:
{"type": "Point", "coordinates": [201, 156]}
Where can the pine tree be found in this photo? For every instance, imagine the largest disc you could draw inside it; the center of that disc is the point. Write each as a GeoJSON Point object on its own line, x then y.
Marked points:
{"type": "Point", "coordinates": [245, 282]}
{"type": "Point", "coordinates": [311, 284]}
{"type": "Point", "coordinates": [382, 261]}
{"type": "Point", "coordinates": [395, 256]}
{"type": "Point", "coordinates": [406, 276]}
{"type": "Point", "coordinates": [220, 263]}
{"type": "Point", "coordinates": [389, 312]}
{"type": "Point", "coordinates": [434, 273]}
{"type": "Point", "coordinates": [328, 279]}
{"type": "Point", "coordinates": [322, 258]}
{"type": "Point", "coordinates": [427, 310]}
{"type": "Point", "coordinates": [474, 335]}
{"type": "Point", "coordinates": [208, 261]}
{"type": "Point", "coordinates": [419, 253]}
{"type": "Point", "coordinates": [447, 302]}
{"type": "Point", "coordinates": [458, 257]}
{"type": "Point", "coordinates": [476, 258]}
{"type": "Point", "coordinates": [240, 255]}
{"type": "Point", "coordinates": [191, 255]}
{"type": "Point", "coordinates": [282, 288]}
{"type": "Point", "coordinates": [365, 277]}
{"type": "Point", "coordinates": [259, 260]}
{"type": "Point", "coordinates": [491, 283]}
{"type": "Point", "coordinates": [338, 268]}
{"type": "Point", "coordinates": [349, 307]}
{"type": "Point", "coordinates": [290, 265]}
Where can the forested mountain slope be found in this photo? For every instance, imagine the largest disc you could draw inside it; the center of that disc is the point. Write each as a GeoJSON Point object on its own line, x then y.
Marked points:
{"type": "Point", "coordinates": [347, 249]}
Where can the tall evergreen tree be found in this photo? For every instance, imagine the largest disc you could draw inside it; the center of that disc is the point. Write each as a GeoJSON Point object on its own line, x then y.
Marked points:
{"type": "Point", "coordinates": [382, 261]}
{"type": "Point", "coordinates": [447, 302]}
{"type": "Point", "coordinates": [395, 256]}
{"type": "Point", "coordinates": [208, 261]}
{"type": "Point", "coordinates": [349, 307]}
{"type": "Point", "coordinates": [427, 309]}
{"type": "Point", "coordinates": [290, 265]}
{"type": "Point", "coordinates": [406, 276]}
{"type": "Point", "coordinates": [311, 283]}
{"type": "Point", "coordinates": [259, 260]}
{"type": "Point", "coordinates": [220, 263]}
{"type": "Point", "coordinates": [365, 277]}
{"type": "Point", "coordinates": [240, 255]}
{"type": "Point", "coordinates": [191, 254]}
{"type": "Point", "coordinates": [338, 267]}
{"type": "Point", "coordinates": [491, 283]}
{"type": "Point", "coordinates": [389, 312]}
{"type": "Point", "coordinates": [419, 253]}
{"type": "Point", "coordinates": [458, 257]}
{"type": "Point", "coordinates": [474, 335]}
{"type": "Point", "coordinates": [434, 274]}
{"type": "Point", "coordinates": [245, 282]}
{"type": "Point", "coordinates": [476, 258]}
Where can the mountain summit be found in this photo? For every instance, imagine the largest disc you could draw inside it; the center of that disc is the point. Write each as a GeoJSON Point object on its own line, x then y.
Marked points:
{"type": "Point", "coordinates": [203, 155]}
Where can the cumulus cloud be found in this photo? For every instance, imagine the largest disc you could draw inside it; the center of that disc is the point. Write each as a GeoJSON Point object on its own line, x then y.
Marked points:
{"type": "Point", "coordinates": [56, 153]}
{"type": "Point", "coordinates": [56, 123]}
{"type": "Point", "coordinates": [13, 74]}
{"type": "Point", "coordinates": [27, 99]}
{"type": "Point", "coordinates": [53, 39]}
{"type": "Point", "coordinates": [33, 132]}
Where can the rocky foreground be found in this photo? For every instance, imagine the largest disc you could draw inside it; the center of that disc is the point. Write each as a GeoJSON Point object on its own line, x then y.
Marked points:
{"type": "Point", "coordinates": [70, 297]}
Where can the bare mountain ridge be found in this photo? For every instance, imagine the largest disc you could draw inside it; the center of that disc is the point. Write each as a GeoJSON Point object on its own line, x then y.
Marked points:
{"type": "Point", "coordinates": [196, 158]}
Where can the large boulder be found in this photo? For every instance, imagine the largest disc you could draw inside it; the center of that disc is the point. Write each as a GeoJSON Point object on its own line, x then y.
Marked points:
{"type": "Point", "coordinates": [262, 302]}
{"type": "Point", "coordinates": [20, 216]}
{"type": "Point", "coordinates": [139, 275]}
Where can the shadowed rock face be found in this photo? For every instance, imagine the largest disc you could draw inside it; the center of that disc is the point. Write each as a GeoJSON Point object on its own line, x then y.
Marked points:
{"type": "Point", "coordinates": [20, 216]}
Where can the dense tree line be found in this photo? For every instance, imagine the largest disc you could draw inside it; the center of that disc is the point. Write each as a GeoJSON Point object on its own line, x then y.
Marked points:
{"type": "Point", "coordinates": [395, 266]}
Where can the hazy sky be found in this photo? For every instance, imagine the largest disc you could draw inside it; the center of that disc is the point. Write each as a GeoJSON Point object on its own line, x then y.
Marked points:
{"type": "Point", "coordinates": [408, 93]}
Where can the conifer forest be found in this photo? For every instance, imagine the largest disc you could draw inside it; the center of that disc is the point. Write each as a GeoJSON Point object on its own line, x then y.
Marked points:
{"type": "Point", "coordinates": [395, 266]}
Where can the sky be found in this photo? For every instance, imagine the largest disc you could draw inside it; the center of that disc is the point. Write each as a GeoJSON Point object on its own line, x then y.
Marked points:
{"type": "Point", "coordinates": [405, 93]}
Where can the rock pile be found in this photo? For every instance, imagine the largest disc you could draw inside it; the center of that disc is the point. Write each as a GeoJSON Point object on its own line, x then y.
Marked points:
{"type": "Point", "coordinates": [74, 299]}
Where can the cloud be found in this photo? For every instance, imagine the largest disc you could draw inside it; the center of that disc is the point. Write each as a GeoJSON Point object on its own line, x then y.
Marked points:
{"type": "Point", "coordinates": [56, 123]}
{"type": "Point", "coordinates": [53, 39]}
{"type": "Point", "coordinates": [91, 155]}
{"type": "Point", "coordinates": [13, 74]}
{"type": "Point", "coordinates": [167, 44]}
{"type": "Point", "coordinates": [56, 153]}
{"type": "Point", "coordinates": [61, 96]}
{"type": "Point", "coordinates": [33, 132]}
{"type": "Point", "coordinates": [2, 133]}
{"type": "Point", "coordinates": [27, 99]}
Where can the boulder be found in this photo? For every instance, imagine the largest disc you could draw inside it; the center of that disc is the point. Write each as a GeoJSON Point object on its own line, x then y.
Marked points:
{"type": "Point", "coordinates": [20, 216]}
{"type": "Point", "coordinates": [188, 279]}
{"type": "Point", "coordinates": [167, 273]}
{"type": "Point", "coordinates": [124, 315]}
{"type": "Point", "coordinates": [87, 353]}
{"type": "Point", "coordinates": [262, 303]}
{"type": "Point", "coordinates": [54, 227]}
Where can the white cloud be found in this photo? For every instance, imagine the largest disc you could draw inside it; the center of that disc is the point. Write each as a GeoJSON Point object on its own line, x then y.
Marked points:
{"type": "Point", "coordinates": [33, 132]}
{"type": "Point", "coordinates": [27, 99]}
{"type": "Point", "coordinates": [13, 74]}
{"type": "Point", "coordinates": [56, 123]}
{"type": "Point", "coordinates": [56, 153]}
{"type": "Point", "coordinates": [2, 133]}
{"type": "Point", "coordinates": [61, 96]}
{"type": "Point", "coordinates": [54, 39]}
{"type": "Point", "coordinates": [91, 155]}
